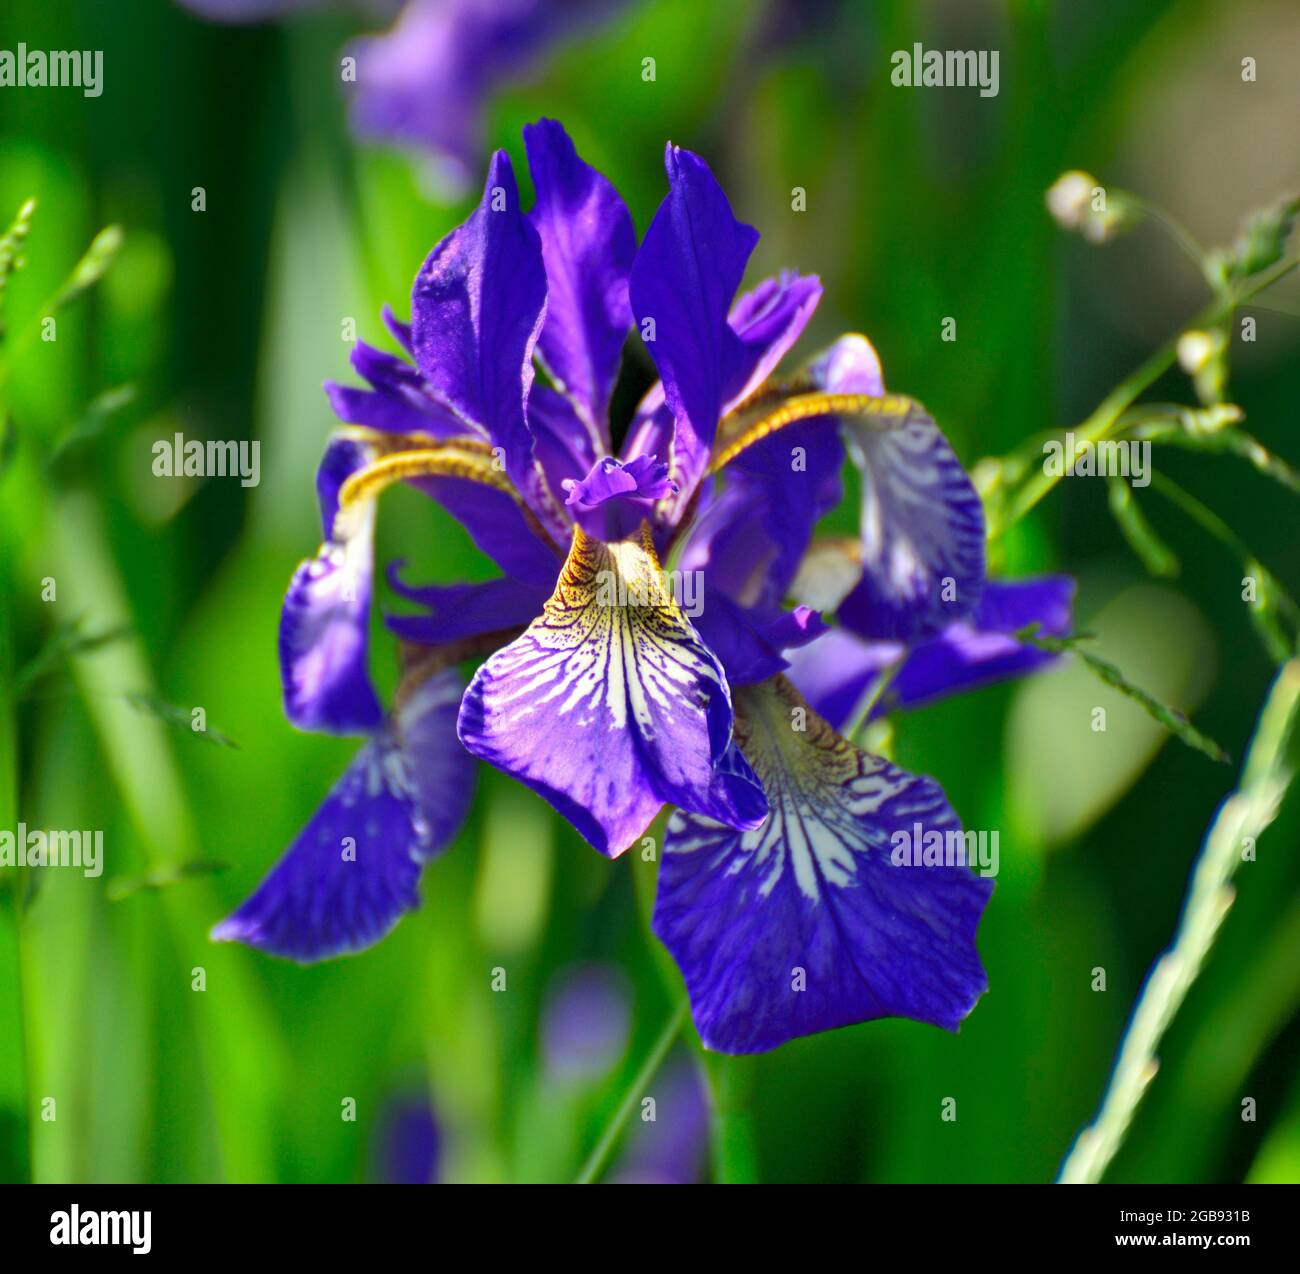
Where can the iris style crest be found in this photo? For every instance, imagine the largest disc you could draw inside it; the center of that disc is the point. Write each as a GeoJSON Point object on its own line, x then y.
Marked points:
{"type": "Point", "coordinates": [601, 687]}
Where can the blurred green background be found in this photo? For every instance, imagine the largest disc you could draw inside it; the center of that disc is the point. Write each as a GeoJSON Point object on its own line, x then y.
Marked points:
{"type": "Point", "coordinates": [921, 205]}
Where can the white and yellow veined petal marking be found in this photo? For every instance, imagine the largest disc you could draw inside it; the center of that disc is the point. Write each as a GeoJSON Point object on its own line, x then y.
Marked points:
{"type": "Point", "coordinates": [612, 638]}
{"type": "Point", "coordinates": [610, 705]}
{"type": "Point", "coordinates": [823, 792]}
{"type": "Point", "coordinates": [810, 921]}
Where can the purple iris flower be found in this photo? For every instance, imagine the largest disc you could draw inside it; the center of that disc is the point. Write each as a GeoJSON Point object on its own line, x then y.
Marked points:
{"type": "Point", "coordinates": [610, 687]}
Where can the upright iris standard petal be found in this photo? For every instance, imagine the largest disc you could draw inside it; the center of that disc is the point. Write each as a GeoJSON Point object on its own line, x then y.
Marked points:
{"type": "Point", "coordinates": [354, 869]}
{"type": "Point", "coordinates": [476, 311]}
{"type": "Point", "coordinates": [324, 625]}
{"type": "Point", "coordinates": [835, 672]}
{"type": "Point", "coordinates": [609, 706]}
{"type": "Point", "coordinates": [688, 269]}
{"type": "Point", "coordinates": [588, 244]}
{"type": "Point", "coordinates": [922, 520]}
{"type": "Point", "coordinates": [808, 922]}
{"type": "Point", "coordinates": [766, 321]}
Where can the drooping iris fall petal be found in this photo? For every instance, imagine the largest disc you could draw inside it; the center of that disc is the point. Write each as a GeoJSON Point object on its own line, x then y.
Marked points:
{"type": "Point", "coordinates": [922, 520]}
{"type": "Point", "coordinates": [324, 624]}
{"type": "Point", "coordinates": [806, 923]}
{"type": "Point", "coordinates": [355, 867]}
{"type": "Point", "coordinates": [836, 672]}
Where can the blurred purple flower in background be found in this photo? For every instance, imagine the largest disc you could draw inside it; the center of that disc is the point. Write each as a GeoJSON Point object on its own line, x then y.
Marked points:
{"type": "Point", "coordinates": [425, 82]}
{"type": "Point", "coordinates": [673, 1148]}
{"type": "Point", "coordinates": [406, 1143]}
{"type": "Point", "coordinates": [586, 1021]}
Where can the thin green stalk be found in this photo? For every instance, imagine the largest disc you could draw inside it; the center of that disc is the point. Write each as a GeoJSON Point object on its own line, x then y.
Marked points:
{"type": "Point", "coordinates": [85, 274]}
{"type": "Point", "coordinates": [1241, 819]}
{"type": "Point", "coordinates": [635, 1093]}
{"type": "Point", "coordinates": [871, 697]}
{"type": "Point", "coordinates": [1178, 232]}
{"type": "Point", "coordinates": [1099, 424]}
{"type": "Point", "coordinates": [1105, 418]}
{"type": "Point", "coordinates": [731, 1126]}
{"type": "Point", "coordinates": [1210, 522]}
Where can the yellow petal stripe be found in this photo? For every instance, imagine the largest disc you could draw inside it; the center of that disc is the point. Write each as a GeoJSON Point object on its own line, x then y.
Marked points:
{"type": "Point", "coordinates": [741, 430]}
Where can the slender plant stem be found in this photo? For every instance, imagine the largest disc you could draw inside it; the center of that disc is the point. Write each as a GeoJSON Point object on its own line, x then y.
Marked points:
{"type": "Point", "coordinates": [1098, 425]}
{"type": "Point", "coordinates": [1106, 416]}
{"type": "Point", "coordinates": [1240, 820]}
{"type": "Point", "coordinates": [1178, 232]}
{"type": "Point", "coordinates": [636, 1091]}
{"type": "Point", "coordinates": [731, 1127]}
{"type": "Point", "coordinates": [1213, 524]}
{"type": "Point", "coordinates": [873, 694]}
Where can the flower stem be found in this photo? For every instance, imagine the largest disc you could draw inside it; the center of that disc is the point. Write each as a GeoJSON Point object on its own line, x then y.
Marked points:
{"type": "Point", "coordinates": [1107, 414]}
{"type": "Point", "coordinates": [731, 1127]}
{"type": "Point", "coordinates": [1240, 820]}
{"type": "Point", "coordinates": [1214, 525]}
{"type": "Point", "coordinates": [636, 1091]}
{"type": "Point", "coordinates": [873, 694]}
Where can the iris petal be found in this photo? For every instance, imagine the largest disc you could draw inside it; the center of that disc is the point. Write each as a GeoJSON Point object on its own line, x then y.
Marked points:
{"type": "Point", "coordinates": [749, 641]}
{"type": "Point", "coordinates": [766, 321]}
{"type": "Point", "coordinates": [399, 400]}
{"type": "Point", "coordinates": [836, 671]}
{"type": "Point", "coordinates": [461, 611]}
{"type": "Point", "coordinates": [922, 520]}
{"type": "Point", "coordinates": [352, 871]}
{"type": "Point", "coordinates": [614, 497]}
{"type": "Point", "coordinates": [684, 277]}
{"type": "Point", "coordinates": [476, 311]}
{"type": "Point", "coordinates": [324, 641]}
{"type": "Point", "coordinates": [588, 243]}
{"type": "Point", "coordinates": [752, 539]}
{"type": "Point", "coordinates": [499, 527]}
{"type": "Point", "coordinates": [806, 923]}
{"type": "Point", "coordinates": [609, 705]}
